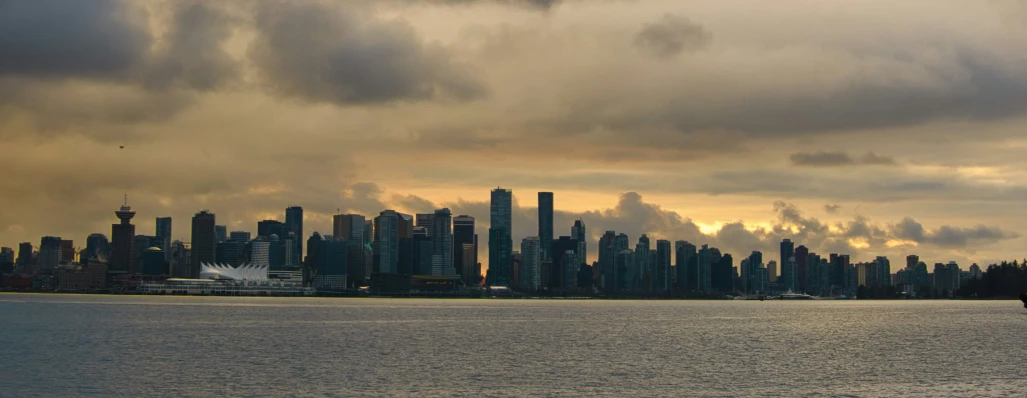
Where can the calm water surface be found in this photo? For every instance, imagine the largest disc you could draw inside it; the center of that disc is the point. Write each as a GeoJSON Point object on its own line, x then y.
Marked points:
{"type": "Point", "coordinates": [60, 346]}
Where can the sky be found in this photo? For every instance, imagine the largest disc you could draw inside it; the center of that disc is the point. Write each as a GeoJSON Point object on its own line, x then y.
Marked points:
{"type": "Point", "coordinates": [867, 128]}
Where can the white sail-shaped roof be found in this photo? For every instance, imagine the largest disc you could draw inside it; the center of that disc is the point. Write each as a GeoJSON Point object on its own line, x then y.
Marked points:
{"type": "Point", "coordinates": [247, 272]}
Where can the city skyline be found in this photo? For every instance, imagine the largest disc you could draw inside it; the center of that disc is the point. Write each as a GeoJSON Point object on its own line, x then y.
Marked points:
{"type": "Point", "coordinates": [787, 244]}
{"type": "Point", "coordinates": [680, 120]}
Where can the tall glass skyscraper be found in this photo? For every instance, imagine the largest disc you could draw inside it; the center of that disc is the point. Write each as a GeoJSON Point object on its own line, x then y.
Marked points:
{"type": "Point", "coordinates": [164, 234]}
{"type": "Point", "coordinates": [500, 240]}
{"type": "Point", "coordinates": [578, 233]}
{"type": "Point", "coordinates": [545, 224]}
{"type": "Point", "coordinates": [294, 224]}
{"type": "Point", "coordinates": [463, 234]}
{"type": "Point", "coordinates": [442, 243]}
{"type": "Point", "coordinates": [203, 238]}
{"type": "Point", "coordinates": [386, 242]}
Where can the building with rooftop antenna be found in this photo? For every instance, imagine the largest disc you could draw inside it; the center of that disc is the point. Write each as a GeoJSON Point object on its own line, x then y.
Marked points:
{"type": "Point", "coordinates": [123, 253]}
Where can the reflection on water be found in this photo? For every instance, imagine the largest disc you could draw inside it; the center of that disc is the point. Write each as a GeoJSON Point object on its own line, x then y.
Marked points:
{"type": "Point", "coordinates": [143, 346]}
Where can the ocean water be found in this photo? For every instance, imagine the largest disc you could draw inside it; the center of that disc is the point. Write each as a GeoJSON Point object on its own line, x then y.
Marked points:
{"type": "Point", "coordinates": [133, 346]}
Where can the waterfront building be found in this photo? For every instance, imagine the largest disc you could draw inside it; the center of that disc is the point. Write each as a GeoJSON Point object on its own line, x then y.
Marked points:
{"type": "Point", "coordinates": [686, 264]}
{"type": "Point", "coordinates": [332, 270]}
{"type": "Point", "coordinates": [220, 233]}
{"type": "Point", "coordinates": [97, 247]}
{"type": "Point", "coordinates": [530, 267]}
{"type": "Point", "coordinates": [579, 234]}
{"type": "Point", "coordinates": [153, 262]}
{"type": "Point", "coordinates": [442, 243]}
{"type": "Point", "coordinates": [661, 275]}
{"type": "Point", "coordinates": [49, 252]}
{"type": "Point", "coordinates": [386, 242]}
{"type": "Point", "coordinates": [266, 228]}
{"type": "Point", "coordinates": [24, 255]}
{"type": "Point", "coordinates": [500, 238]}
{"type": "Point", "coordinates": [203, 241]}
{"type": "Point", "coordinates": [293, 235]}
{"type": "Point", "coordinates": [123, 257]}
{"type": "Point", "coordinates": [545, 224]}
{"type": "Point", "coordinates": [463, 234]}
{"type": "Point", "coordinates": [239, 236]}
{"type": "Point", "coordinates": [163, 232]}
{"type": "Point", "coordinates": [565, 269]}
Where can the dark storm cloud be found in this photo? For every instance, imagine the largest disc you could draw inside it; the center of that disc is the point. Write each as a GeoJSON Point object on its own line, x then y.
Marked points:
{"type": "Point", "coordinates": [194, 54]}
{"type": "Point", "coordinates": [61, 39]}
{"type": "Point", "coordinates": [827, 159]}
{"type": "Point", "coordinates": [949, 236]}
{"type": "Point", "coordinates": [832, 208]}
{"type": "Point", "coordinates": [346, 55]}
{"type": "Point", "coordinates": [672, 35]}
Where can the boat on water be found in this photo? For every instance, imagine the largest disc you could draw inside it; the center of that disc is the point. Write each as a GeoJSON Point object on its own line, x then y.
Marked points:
{"type": "Point", "coordinates": [789, 295]}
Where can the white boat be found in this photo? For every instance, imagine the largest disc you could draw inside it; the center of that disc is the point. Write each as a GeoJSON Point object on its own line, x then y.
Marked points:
{"type": "Point", "coordinates": [789, 295]}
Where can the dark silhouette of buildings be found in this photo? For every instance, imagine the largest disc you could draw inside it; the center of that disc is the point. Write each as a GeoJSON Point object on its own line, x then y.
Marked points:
{"type": "Point", "coordinates": [500, 271]}
{"type": "Point", "coordinates": [123, 253]}
{"type": "Point", "coordinates": [545, 224]}
{"type": "Point", "coordinates": [203, 241]}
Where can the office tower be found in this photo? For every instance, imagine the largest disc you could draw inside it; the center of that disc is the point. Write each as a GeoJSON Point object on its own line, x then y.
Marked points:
{"type": "Point", "coordinates": [424, 220]}
{"type": "Point", "coordinates": [97, 247]}
{"type": "Point", "coordinates": [884, 271]}
{"type": "Point", "coordinates": [442, 242]}
{"type": "Point", "coordinates": [772, 270]}
{"type": "Point", "coordinates": [422, 252]}
{"type": "Point", "coordinates": [608, 262]}
{"type": "Point", "coordinates": [67, 251]}
{"type": "Point", "coordinates": [275, 252]}
{"type": "Point", "coordinates": [705, 269]}
{"type": "Point", "coordinates": [405, 225]}
{"type": "Point", "coordinates": [912, 260]}
{"type": "Point", "coordinates": [6, 260]}
{"type": "Point", "coordinates": [267, 228]}
{"type": "Point", "coordinates": [140, 244]}
{"type": "Point", "coordinates": [750, 281]}
{"type": "Point", "coordinates": [163, 232]}
{"type": "Point", "coordinates": [229, 252]}
{"type": "Point", "coordinates": [153, 262]}
{"type": "Point", "coordinates": [624, 262]}
{"type": "Point", "coordinates": [787, 252]}
{"type": "Point", "coordinates": [500, 238]}
{"type": "Point", "coordinates": [578, 233]}
{"type": "Point", "coordinates": [661, 277]}
{"type": "Point", "coordinates": [545, 223]}
{"type": "Point", "coordinates": [348, 227]}
{"type": "Point", "coordinates": [203, 241]}
{"type": "Point", "coordinates": [220, 233]}
{"type": "Point", "coordinates": [529, 271]}
{"type": "Point", "coordinates": [315, 257]}
{"type": "Point", "coordinates": [469, 258]}
{"type": "Point", "coordinates": [49, 252]}
{"type": "Point", "coordinates": [333, 268]}
{"type": "Point", "coordinates": [685, 255]}
{"type": "Point", "coordinates": [260, 252]}
{"type": "Point", "coordinates": [723, 276]}
{"type": "Point", "coordinates": [386, 242]}
{"type": "Point", "coordinates": [564, 272]}
{"type": "Point", "coordinates": [239, 236]}
{"type": "Point", "coordinates": [463, 234]}
{"type": "Point", "coordinates": [25, 254]}
{"type": "Point", "coordinates": [294, 224]}
{"type": "Point", "coordinates": [641, 269]}
{"type": "Point", "coordinates": [801, 259]}
{"type": "Point", "coordinates": [123, 241]}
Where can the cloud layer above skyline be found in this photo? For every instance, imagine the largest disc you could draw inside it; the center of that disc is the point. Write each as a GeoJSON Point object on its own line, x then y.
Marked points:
{"type": "Point", "coordinates": [727, 123]}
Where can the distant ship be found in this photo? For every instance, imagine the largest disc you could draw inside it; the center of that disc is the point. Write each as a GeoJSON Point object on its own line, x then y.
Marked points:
{"type": "Point", "coordinates": [789, 295]}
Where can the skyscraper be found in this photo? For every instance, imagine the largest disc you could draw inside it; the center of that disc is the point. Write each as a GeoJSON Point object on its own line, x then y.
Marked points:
{"type": "Point", "coordinates": [348, 227]}
{"type": "Point", "coordinates": [220, 233]}
{"type": "Point", "coordinates": [500, 239]}
{"type": "Point", "coordinates": [49, 252]}
{"type": "Point", "coordinates": [684, 256]}
{"type": "Point", "coordinates": [565, 269]}
{"type": "Point", "coordinates": [294, 224]}
{"type": "Point", "coordinates": [661, 278]}
{"type": "Point", "coordinates": [545, 223]}
{"type": "Point", "coordinates": [463, 234]}
{"type": "Point", "coordinates": [203, 241]}
{"type": "Point", "coordinates": [424, 220]}
{"type": "Point", "coordinates": [578, 233]}
{"type": "Point", "coordinates": [608, 261]}
{"type": "Point", "coordinates": [386, 242]}
{"type": "Point", "coordinates": [801, 259]}
{"type": "Point", "coordinates": [789, 269]}
{"type": "Point", "coordinates": [123, 259]}
{"type": "Point", "coordinates": [163, 233]}
{"type": "Point", "coordinates": [239, 236]}
{"type": "Point", "coordinates": [530, 268]}
{"type": "Point", "coordinates": [97, 247]}
{"type": "Point", "coordinates": [442, 243]}
{"type": "Point", "coordinates": [331, 273]}
{"type": "Point", "coordinates": [25, 254]}
{"type": "Point", "coordinates": [266, 228]}
{"type": "Point", "coordinates": [705, 269]}
{"type": "Point", "coordinates": [642, 267]}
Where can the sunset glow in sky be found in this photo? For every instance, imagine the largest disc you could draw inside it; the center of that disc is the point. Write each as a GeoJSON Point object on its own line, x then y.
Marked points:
{"type": "Point", "coordinates": [861, 127]}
